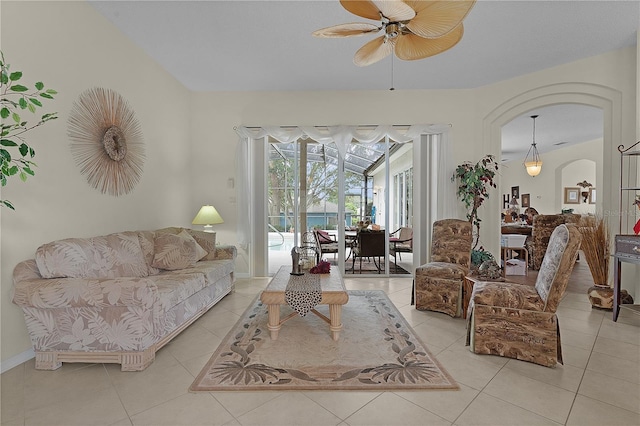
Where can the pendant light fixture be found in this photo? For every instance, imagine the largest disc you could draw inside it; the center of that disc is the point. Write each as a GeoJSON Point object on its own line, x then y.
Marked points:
{"type": "Point", "coordinates": [533, 165]}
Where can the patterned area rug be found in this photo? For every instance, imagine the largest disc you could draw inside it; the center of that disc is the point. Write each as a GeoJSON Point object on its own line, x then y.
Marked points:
{"type": "Point", "coordinates": [377, 350]}
{"type": "Point", "coordinates": [369, 267]}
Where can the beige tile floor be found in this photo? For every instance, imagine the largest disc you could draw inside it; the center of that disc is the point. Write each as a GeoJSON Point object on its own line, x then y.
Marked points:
{"type": "Point", "coordinates": [598, 385]}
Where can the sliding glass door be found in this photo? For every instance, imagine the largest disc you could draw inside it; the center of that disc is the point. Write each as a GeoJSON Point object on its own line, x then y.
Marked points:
{"type": "Point", "coordinates": [311, 188]}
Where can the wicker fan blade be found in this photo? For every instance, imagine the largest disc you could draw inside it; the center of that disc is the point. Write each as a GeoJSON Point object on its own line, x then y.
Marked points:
{"type": "Point", "coordinates": [346, 30]}
{"type": "Point", "coordinates": [436, 18]}
{"type": "Point", "coordinates": [410, 46]}
{"type": "Point", "coordinates": [395, 10]}
{"type": "Point", "coordinates": [363, 8]}
{"type": "Point", "coordinates": [373, 51]}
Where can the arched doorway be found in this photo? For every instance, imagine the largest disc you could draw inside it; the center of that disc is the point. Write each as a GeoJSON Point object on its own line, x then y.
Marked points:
{"type": "Point", "coordinates": [607, 99]}
{"type": "Point", "coordinates": [569, 139]}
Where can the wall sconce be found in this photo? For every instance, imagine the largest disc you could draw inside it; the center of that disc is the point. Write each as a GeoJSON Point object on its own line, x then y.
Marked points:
{"type": "Point", "coordinates": [207, 216]}
{"type": "Point", "coordinates": [585, 192]}
{"type": "Point", "coordinates": [585, 196]}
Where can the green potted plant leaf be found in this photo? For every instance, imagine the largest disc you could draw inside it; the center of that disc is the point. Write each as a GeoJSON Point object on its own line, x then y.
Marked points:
{"type": "Point", "coordinates": [15, 99]}
{"type": "Point", "coordinates": [474, 183]}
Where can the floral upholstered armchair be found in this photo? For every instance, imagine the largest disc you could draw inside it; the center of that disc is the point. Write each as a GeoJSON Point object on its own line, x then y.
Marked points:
{"type": "Point", "coordinates": [439, 283]}
{"type": "Point", "coordinates": [519, 321]}
{"type": "Point", "coordinates": [543, 226]}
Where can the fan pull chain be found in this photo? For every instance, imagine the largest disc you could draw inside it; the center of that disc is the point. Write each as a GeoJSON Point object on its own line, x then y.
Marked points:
{"type": "Point", "coordinates": [392, 88]}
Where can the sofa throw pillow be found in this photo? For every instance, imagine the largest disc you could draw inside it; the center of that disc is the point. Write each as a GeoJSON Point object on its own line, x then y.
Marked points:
{"type": "Point", "coordinates": [207, 241]}
{"type": "Point", "coordinates": [176, 251]}
{"type": "Point", "coordinates": [108, 256]}
{"type": "Point", "coordinates": [68, 258]}
{"type": "Point", "coordinates": [147, 243]}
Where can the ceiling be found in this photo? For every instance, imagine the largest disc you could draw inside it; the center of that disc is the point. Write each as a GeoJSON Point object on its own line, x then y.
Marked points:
{"type": "Point", "coordinates": [557, 126]}
{"type": "Point", "coordinates": [266, 45]}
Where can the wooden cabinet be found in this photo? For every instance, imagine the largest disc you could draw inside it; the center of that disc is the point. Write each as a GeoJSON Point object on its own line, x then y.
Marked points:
{"type": "Point", "coordinates": [627, 247]}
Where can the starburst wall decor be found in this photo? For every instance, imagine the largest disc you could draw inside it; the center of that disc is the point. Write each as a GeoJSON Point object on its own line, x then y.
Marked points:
{"type": "Point", "coordinates": [106, 141]}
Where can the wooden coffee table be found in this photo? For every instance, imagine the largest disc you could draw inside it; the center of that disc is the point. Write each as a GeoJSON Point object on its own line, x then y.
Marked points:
{"type": "Point", "coordinates": [334, 294]}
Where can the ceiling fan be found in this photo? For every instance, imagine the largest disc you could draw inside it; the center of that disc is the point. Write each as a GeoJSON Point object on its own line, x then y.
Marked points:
{"type": "Point", "coordinates": [414, 29]}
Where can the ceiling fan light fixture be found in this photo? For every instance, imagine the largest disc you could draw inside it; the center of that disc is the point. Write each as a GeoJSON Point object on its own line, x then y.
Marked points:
{"type": "Point", "coordinates": [421, 28]}
{"type": "Point", "coordinates": [533, 166]}
{"type": "Point", "coordinates": [393, 30]}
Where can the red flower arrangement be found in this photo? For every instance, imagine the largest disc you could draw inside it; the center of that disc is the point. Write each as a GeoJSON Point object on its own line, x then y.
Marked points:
{"type": "Point", "coordinates": [321, 268]}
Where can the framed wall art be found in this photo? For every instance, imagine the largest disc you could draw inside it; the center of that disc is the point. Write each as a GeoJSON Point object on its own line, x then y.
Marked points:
{"type": "Point", "coordinates": [571, 195]}
{"type": "Point", "coordinates": [515, 192]}
{"type": "Point", "coordinates": [106, 141]}
{"type": "Point", "coordinates": [592, 195]}
{"type": "Point", "coordinates": [526, 200]}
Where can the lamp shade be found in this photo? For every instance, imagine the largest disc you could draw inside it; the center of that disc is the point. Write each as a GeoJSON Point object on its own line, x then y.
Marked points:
{"type": "Point", "coordinates": [533, 166]}
{"type": "Point", "coordinates": [207, 216]}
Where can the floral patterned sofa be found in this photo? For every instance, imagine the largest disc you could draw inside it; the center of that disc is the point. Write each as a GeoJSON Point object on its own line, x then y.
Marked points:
{"type": "Point", "coordinates": [121, 297]}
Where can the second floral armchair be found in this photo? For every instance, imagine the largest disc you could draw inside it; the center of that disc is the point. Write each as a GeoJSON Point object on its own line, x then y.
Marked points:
{"type": "Point", "coordinates": [438, 284]}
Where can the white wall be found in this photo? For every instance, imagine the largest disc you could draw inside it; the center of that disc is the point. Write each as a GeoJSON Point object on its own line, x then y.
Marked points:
{"type": "Point", "coordinates": [214, 161]}
{"type": "Point", "coordinates": [400, 162]}
{"type": "Point", "coordinates": [561, 168]}
{"type": "Point", "coordinates": [71, 48]}
{"type": "Point", "coordinates": [574, 172]}
{"type": "Point", "coordinates": [190, 139]}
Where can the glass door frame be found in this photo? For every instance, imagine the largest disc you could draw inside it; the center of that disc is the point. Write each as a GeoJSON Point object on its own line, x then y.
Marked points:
{"type": "Point", "coordinates": [424, 189]}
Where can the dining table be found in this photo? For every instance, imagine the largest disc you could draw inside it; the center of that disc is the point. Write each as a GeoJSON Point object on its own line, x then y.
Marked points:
{"type": "Point", "coordinates": [516, 229]}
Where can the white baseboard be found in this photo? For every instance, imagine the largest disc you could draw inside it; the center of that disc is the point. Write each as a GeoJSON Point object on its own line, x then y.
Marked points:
{"type": "Point", "coordinates": [17, 360]}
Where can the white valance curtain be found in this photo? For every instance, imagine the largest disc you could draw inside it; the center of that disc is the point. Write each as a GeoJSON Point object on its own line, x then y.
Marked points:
{"type": "Point", "coordinates": [342, 136]}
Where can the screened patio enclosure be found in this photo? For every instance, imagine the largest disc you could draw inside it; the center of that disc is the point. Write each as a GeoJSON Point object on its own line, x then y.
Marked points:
{"type": "Point", "coordinates": [303, 187]}
{"type": "Point", "coordinates": [319, 179]}
{"type": "Point", "coordinates": [330, 179]}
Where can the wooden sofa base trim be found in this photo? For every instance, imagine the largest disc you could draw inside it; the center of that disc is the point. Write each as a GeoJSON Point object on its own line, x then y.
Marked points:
{"type": "Point", "coordinates": [128, 360]}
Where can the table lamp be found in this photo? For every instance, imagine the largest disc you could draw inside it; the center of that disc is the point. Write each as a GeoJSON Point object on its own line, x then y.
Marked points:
{"type": "Point", "coordinates": [207, 216]}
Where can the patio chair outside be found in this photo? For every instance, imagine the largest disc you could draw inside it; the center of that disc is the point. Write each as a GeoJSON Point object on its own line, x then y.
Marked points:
{"type": "Point", "coordinates": [400, 241]}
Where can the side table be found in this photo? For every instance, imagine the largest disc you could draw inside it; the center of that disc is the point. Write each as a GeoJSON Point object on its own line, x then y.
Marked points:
{"type": "Point", "coordinates": [627, 249]}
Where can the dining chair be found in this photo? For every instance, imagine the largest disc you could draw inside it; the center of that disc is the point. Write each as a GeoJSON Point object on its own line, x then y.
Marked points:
{"type": "Point", "coordinates": [369, 244]}
{"type": "Point", "coordinates": [401, 241]}
{"type": "Point", "coordinates": [325, 243]}
{"type": "Point", "coordinates": [543, 227]}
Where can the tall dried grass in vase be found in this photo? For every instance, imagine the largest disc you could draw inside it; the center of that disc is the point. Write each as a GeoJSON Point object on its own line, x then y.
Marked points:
{"type": "Point", "coordinates": [596, 249]}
